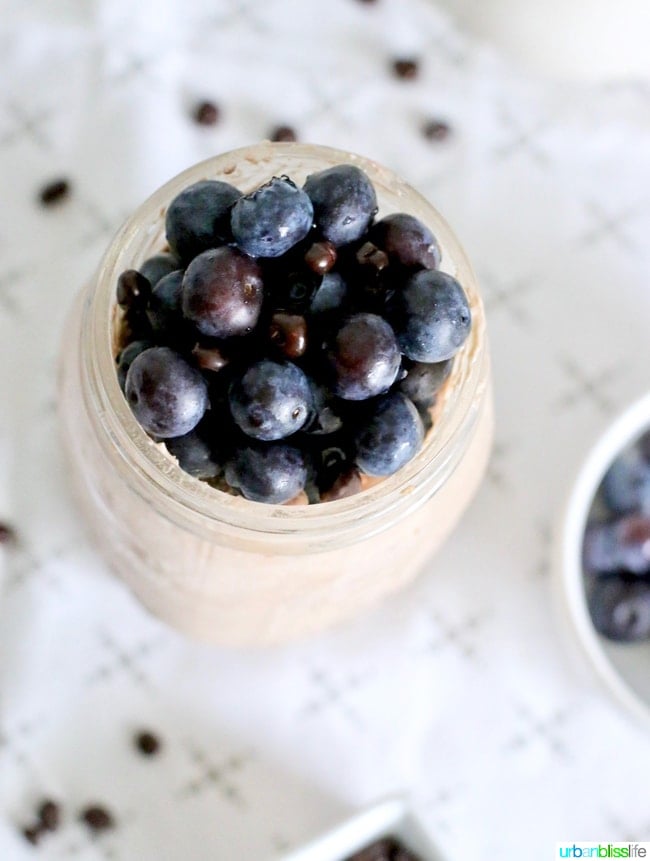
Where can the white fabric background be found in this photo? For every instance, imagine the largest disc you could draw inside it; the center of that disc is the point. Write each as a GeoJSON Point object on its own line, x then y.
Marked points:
{"type": "Point", "coordinates": [460, 691]}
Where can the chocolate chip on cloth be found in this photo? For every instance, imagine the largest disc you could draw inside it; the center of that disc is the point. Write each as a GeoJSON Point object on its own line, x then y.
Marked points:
{"type": "Point", "coordinates": [49, 815]}
{"type": "Point", "coordinates": [54, 192]}
{"type": "Point", "coordinates": [97, 818]}
{"type": "Point", "coordinates": [7, 534]}
{"type": "Point", "coordinates": [147, 743]}
{"type": "Point", "coordinates": [406, 68]}
{"type": "Point", "coordinates": [206, 113]}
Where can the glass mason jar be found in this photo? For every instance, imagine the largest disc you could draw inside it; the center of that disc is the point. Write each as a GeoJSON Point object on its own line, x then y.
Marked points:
{"type": "Point", "coordinates": [219, 567]}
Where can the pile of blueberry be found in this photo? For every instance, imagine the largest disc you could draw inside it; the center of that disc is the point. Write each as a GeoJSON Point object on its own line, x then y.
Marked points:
{"type": "Point", "coordinates": [616, 548]}
{"type": "Point", "coordinates": [288, 341]}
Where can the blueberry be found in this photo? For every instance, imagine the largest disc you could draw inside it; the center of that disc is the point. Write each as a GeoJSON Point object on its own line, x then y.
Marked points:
{"type": "Point", "coordinates": [272, 219]}
{"type": "Point", "coordinates": [158, 266]}
{"type": "Point", "coordinates": [620, 608]}
{"type": "Point", "coordinates": [194, 454]}
{"type": "Point", "coordinates": [168, 397]}
{"type": "Point", "coordinates": [626, 484]}
{"type": "Point", "coordinates": [621, 544]}
{"type": "Point", "coordinates": [330, 295]}
{"type": "Point", "coordinates": [165, 312]}
{"type": "Point", "coordinates": [407, 240]}
{"type": "Point", "coordinates": [326, 415]}
{"type": "Point", "coordinates": [364, 357]}
{"type": "Point", "coordinates": [271, 400]}
{"type": "Point", "coordinates": [126, 357]}
{"type": "Point", "coordinates": [344, 202]}
{"type": "Point", "coordinates": [133, 290]}
{"type": "Point", "coordinates": [198, 218]}
{"type": "Point", "coordinates": [273, 473]}
{"type": "Point", "coordinates": [390, 436]}
{"type": "Point", "coordinates": [423, 381]}
{"type": "Point", "coordinates": [431, 316]}
{"type": "Point", "coordinates": [222, 293]}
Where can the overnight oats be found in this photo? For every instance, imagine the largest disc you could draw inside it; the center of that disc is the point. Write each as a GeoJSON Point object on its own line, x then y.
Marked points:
{"type": "Point", "coordinates": [275, 394]}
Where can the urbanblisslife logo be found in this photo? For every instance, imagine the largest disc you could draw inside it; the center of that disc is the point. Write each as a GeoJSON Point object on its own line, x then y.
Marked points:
{"type": "Point", "coordinates": [603, 850]}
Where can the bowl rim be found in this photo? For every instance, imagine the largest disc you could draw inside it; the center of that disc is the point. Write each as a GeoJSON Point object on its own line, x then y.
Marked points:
{"type": "Point", "coordinates": [625, 428]}
{"type": "Point", "coordinates": [390, 815]}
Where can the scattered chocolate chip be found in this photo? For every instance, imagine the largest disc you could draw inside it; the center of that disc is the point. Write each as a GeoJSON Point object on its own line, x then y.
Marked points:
{"type": "Point", "coordinates": [370, 255]}
{"type": "Point", "coordinates": [209, 358]}
{"type": "Point", "coordinates": [367, 2]}
{"type": "Point", "coordinates": [289, 333]}
{"type": "Point", "coordinates": [54, 192]}
{"type": "Point", "coordinates": [147, 743]}
{"type": "Point", "coordinates": [386, 849]}
{"type": "Point", "coordinates": [406, 68]}
{"type": "Point", "coordinates": [283, 134]}
{"type": "Point", "coordinates": [7, 534]}
{"type": "Point", "coordinates": [33, 834]}
{"type": "Point", "coordinates": [49, 815]}
{"type": "Point", "coordinates": [320, 257]}
{"type": "Point", "coordinates": [206, 113]}
{"type": "Point", "coordinates": [347, 484]}
{"type": "Point", "coordinates": [436, 130]}
{"type": "Point", "coordinates": [97, 818]}
{"type": "Point", "coordinates": [133, 289]}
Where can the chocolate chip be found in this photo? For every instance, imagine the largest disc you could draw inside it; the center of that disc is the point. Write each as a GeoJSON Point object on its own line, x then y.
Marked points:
{"type": "Point", "coordinates": [49, 815]}
{"type": "Point", "coordinates": [147, 743]}
{"type": "Point", "coordinates": [289, 333]}
{"type": "Point", "coordinates": [320, 257]}
{"type": "Point", "coordinates": [370, 255]}
{"type": "Point", "coordinates": [386, 849]}
{"type": "Point", "coordinates": [367, 2]}
{"type": "Point", "coordinates": [209, 358]}
{"type": "Point", "coordinates": [33, 834]}
{"type": "Point", "coordinates": [283, 134]}
{"type": "Point", "coordinates": [436, 130]}
{"type": "Point", "coordinates": [347, 484]}
{"type": "Point", "coordinates": [7, 534]}
{"type": "Point", "coordinates": [206, 113]}
{"type": "Point", "coordinates": [406, 68]}
{"type": "Point", "coordinates": [97, 818]}
{"type": "Point", "coordinates": [133, 289]}
{"type": "Point", "coordinates": [54, 192]}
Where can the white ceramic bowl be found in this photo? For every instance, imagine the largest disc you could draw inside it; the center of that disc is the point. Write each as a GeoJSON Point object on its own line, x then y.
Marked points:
{"type": "Point", "coordinates": [387, 818]}
{"type": "Point", "coordinates": [623, 668]}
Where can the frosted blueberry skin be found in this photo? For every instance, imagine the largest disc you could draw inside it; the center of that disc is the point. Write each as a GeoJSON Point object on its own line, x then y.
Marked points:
{"type": "Point", "coordinates": [127, 356]}
{"type": "Point", "coordinates": [164, 310]}
{"type": "Point", "coordinates": [390, 436]}
{"type": "Point", "coordinates": [223, 293]}
{"type": "Point", "coordinates": [199, 217]}
{"type": "Point", "coordinates": [626, 484]}
{"type": "Point", "coordinates": [270, 400]}
{"type": "Point", "coordinates": [194, 454]}
{"type": "Point", "coordinates": [431, 316]}
{"type": "Point", "coordinates": [271, 220]}
{"type": "Point", "coordinates": [620, 608]}
{"type": "Point", "coordinates": [423, 381]}
{"type": "Point", "coordinates": [407, 241]}
{"type": "Point", "coordinates": [158, 266]}
{"type": "Point", "coordinates": [364, 357]}
{"type": "Point", "coordinates": [272, 473]}
{"type": "Point", "coordinates": [168, 396]}
{"type": "Point", "coordinates": [344, 202]}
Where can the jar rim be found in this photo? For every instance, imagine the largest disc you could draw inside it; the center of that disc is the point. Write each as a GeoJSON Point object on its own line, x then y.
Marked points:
{"type": "Point", "coordinates": [155, 475]}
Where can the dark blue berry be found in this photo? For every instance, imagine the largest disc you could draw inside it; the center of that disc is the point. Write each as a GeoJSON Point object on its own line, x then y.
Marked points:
{"type": "Point", "coordinates": [194, 454]}
{"type": "Point", "coordinates": [626, 484]}
{"type": "Point", "coordinates": [622, 544]}
{"type": "Point", "coordinates": [423, 381]}
{"type": "Point", "coordinates": [158, 266]}
{"type": "Point", "coordinates": [326, 415]}
{"type": "Point", "coordinates": [331, 294]}
{"type": "Point", "coordinates": [222, 293]}
{"type": "Point", "coordinates": [431, 316]}
{"type": "Point", "coordinates": [407, 241]}
{"type": "Point", "coordinates": [620, 608]}
{"type": "Point", "coordinates": [272, 473]}
{"type": "Point", "coordinates": [272, 219]}
{"type": "Point", "coordinates": [344, 202]}
{"type": "Point", "coordinates": [198, 218]}
{"type": "Point", "coordinates": [126, 357]}
{"type": "Point", "coordinates": [390, 435]}
{"type": "Point", "coordinates": [167, 395]}
{"type": "Point", "coordinates": [271, 400]}
{"type": "Point", "coordinates": [165, 312]}
{"type": "Point", "coordinates": [364, 357]}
